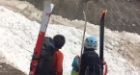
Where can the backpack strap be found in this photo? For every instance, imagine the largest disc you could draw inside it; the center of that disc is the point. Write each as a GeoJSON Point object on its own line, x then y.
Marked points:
{"type": "Point", "coordinates": [87, 70]}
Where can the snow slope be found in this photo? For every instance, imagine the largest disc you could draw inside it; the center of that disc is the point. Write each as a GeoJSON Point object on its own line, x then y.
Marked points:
{"type": "Point", "coordinates": [18, 37]}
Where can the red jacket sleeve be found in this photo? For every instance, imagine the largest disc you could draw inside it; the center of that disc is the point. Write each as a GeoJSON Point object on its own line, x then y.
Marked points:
{"type": "Point", "coordinates": [59, 62]}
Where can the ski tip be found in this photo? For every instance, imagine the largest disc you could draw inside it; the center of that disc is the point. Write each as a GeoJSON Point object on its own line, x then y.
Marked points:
{"type": "Point", "coordinates": [52, 6]}
{"type": "Point", "coordinates": [104, 12]}
{"type": "Point", "coordinates": [48, 6]}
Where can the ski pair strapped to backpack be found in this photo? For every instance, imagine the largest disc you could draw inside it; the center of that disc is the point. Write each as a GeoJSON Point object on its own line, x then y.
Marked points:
{"type": "Point", "coordinates": [102, 22]}
{"type": "Point", "coordinates": [48, 7]}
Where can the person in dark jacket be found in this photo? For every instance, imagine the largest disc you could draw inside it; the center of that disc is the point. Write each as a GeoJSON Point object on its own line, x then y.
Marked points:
{"type": "Point", "coordinates": [90, 61]}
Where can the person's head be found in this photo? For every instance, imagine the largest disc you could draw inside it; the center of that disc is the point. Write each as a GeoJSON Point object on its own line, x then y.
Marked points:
{"type": "Point", "coordinates": [59, 41]}
{"type": "Point", "coordinates": [91, 43]}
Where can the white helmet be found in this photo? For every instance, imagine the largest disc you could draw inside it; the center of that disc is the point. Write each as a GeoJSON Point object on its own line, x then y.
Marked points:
{"type": "Point", "coordinates": [91, 42]}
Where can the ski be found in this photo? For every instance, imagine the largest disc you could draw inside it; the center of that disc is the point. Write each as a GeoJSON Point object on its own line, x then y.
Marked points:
{"type": "Point", "coordinates": [84, 32]}
{"type": "Point", "coordinates": [48, 7]}
{"type": "Point", "coordinates": [102, 22]}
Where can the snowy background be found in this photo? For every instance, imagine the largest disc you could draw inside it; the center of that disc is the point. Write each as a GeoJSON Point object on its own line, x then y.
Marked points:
{"type": "Point", "coordinates": [18, 37]}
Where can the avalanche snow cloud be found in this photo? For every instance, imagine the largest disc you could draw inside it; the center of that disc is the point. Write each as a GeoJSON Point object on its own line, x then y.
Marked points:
{"type": "Point", "coordinates": [18, 37]}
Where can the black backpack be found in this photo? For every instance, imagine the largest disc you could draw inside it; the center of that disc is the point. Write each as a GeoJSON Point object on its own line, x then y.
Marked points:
{"type": "Point", "coordinates": [91, 63]}
{"type": "Point", "coordinates": [46, 61]}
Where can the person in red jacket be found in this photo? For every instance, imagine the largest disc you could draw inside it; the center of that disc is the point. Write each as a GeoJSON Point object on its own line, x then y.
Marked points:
{"type": "Point", "coordinates": [59, 41]}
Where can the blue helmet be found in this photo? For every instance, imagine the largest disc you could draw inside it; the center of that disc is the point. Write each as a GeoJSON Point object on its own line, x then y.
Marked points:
{"type": "Point", "coordinates": [91, 42]}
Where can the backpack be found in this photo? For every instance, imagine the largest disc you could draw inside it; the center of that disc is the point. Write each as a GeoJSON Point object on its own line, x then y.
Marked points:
{"type": "Point", "coordinates": [92, 63]}
{"type": "Point", "coordinates": [76, 63]}
{"type": "Point", "coordinates": [46, 61]}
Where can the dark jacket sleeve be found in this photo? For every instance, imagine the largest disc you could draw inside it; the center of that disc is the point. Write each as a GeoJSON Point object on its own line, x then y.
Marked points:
{"type": "Point", "coordinates": [82, 65]}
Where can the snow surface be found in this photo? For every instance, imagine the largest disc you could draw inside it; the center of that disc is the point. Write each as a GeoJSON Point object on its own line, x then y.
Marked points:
{"type": "Point", "coordinates": [18, 37]}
